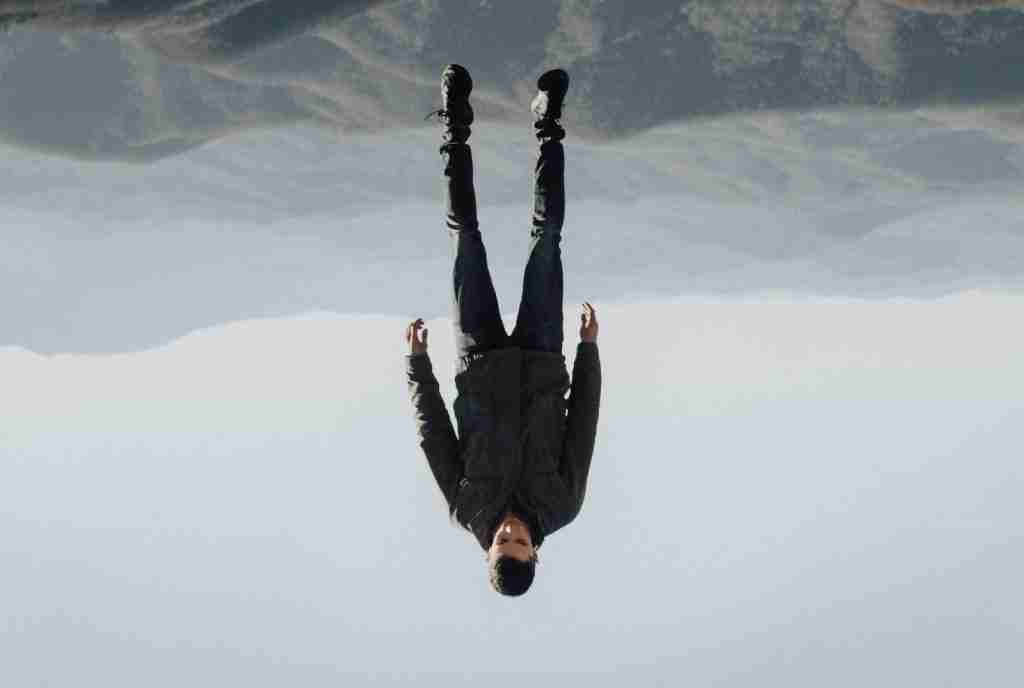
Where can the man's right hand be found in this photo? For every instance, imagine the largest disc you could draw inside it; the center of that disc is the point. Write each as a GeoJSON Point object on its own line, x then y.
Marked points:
{"type": "Point", "coordinates": [588, 324]}
{"type": "Point", "coordinates": [416, 337]}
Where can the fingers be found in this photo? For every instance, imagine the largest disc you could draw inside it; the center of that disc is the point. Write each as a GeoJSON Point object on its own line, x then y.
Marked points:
{"type": "Point", "coordinates": [413, 330]}
{"type": "Point", "coordinates": [589, 314]}
{"type": "Point", "coordinates": [588, 323]}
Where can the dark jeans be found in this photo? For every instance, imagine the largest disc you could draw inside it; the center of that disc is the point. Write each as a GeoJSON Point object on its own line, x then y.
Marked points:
{"type": "Point", "coordinates": [478, 325]}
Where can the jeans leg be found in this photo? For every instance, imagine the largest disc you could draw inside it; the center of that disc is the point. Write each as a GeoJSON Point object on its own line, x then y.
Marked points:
{"type": "Point", "coordinates": [477, 320]}
{"type": "Point", "coordinates": [539, 325]}
{"type": "Point", "coordinates": [458, 170]}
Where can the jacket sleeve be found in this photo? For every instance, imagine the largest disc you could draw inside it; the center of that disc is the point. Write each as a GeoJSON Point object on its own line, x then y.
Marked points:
{"type": "Point", "coordinates": [581, 421]}
{"type": "Point", "coordinates": [434, 426]}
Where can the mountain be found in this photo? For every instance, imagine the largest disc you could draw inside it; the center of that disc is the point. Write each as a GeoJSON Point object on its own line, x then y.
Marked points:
{"type": "Point", "coordinates": [144, 80]}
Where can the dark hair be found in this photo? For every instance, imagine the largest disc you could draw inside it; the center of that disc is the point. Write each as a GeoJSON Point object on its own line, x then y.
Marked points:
{"type": "Point", "coordinates": [512, 577]}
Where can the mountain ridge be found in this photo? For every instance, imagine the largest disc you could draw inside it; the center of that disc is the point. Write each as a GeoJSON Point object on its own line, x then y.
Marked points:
{"type": "Point", "coordinates": [151, 81]}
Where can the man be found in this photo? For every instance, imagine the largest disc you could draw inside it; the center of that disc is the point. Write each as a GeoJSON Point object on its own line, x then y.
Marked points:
{"type": "Point", "coordinates": [517, 471]}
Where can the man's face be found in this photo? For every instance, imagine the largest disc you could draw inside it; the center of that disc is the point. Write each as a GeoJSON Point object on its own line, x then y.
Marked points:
{"type": "Point", "coordinates": [511, 539]}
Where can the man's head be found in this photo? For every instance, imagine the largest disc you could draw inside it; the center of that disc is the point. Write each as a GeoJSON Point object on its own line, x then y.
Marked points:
{"type": "Point", "coordinates": [512, 558]}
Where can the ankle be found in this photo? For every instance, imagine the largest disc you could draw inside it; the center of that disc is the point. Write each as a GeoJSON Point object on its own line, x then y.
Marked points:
{"type": "Point", "coordinates": [548, 129]}
{"type": "Point", "coordinates": [456, 134]}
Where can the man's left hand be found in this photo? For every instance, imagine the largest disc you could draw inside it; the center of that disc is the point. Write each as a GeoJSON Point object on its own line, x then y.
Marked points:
{"type": "Point", "coordinates": [416, 337]}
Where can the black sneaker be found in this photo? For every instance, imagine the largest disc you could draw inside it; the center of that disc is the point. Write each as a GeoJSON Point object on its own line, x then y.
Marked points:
{"type": "Point", "coordinates": [551, 89]}
{"type": "Point", "coordinates": [456, 85]}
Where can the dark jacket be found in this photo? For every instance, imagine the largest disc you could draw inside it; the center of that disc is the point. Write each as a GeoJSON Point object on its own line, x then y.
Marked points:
{"type": "Point", "coordinates": [519, 438]}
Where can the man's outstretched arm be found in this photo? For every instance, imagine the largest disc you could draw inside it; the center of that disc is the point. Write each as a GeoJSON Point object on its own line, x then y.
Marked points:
{"type": "Point", "coordinates": [434, 426]}
{"type": "Point", "coordinates": [584, 403]}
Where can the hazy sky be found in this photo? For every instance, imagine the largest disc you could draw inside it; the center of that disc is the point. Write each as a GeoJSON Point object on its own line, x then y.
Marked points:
{"type": "Point", "coordinates": [784, 494]}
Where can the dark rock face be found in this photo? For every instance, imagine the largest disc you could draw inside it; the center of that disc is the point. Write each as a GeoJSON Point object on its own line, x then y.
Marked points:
{"type": "Point", "coordinates": [154, 78]}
